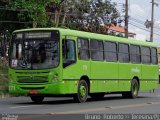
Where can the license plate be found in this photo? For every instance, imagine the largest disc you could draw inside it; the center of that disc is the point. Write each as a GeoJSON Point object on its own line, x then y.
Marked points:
{"type": "Point", "coordinates": [33, 92]}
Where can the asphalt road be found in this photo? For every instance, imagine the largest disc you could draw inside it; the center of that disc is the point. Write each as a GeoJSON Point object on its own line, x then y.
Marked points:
{"type": "Point", "coordinates": [112, 104]}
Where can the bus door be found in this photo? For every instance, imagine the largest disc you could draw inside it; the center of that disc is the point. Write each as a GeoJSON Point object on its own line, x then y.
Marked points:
{"type": "Point", "coordinates": [73, 69]}
{"type": "Point", "coordinates": [68, 56]}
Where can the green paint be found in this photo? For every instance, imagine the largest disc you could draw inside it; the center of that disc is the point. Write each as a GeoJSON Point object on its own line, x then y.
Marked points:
{"type": "Point", "coordinates": [82, 91]}
{"type": "Point", "coordinates": [104, 76]}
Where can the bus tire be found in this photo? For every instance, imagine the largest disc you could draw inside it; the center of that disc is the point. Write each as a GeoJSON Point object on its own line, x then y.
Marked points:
{"type": "Point", "coordinates": [134, 89]}
{"type": "Point", "coordinates": [37, 99]}
{"type": "Point", "coordinates": [82, 92]}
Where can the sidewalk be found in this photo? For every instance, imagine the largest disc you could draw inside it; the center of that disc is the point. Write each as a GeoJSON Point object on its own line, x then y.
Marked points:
{"type": "Point", "coordinates": [4, 96]}
{"type": "Point", "coordinates": [3, 83]}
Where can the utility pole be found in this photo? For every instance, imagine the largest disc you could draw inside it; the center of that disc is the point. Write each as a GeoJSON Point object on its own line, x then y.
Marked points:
{"type": "Point", "coordinates": [152, 22]}
{"type": "Point", "coordinates": [152, 19]}
{"type": "Point", "coordinates": [126, 19]}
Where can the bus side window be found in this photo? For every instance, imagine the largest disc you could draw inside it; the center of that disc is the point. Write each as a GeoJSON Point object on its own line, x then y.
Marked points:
{"type": "Point", "coordinates": [83, 49]}
{"type": "Point", "coordinates": [154, 59]}
{"type": "Point", "coordinates": [145, 55]}
{"type": "Point", "coordinates": [69, 54]}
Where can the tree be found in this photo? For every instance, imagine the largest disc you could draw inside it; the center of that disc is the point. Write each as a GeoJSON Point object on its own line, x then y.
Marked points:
{"type": "Point", "coordinates": [6, 27]}
{"type": "Point", "coordinates": [54, 11]}
{"type": "Point", "coordinates": [32, 11]}
{"type": "Point", "coordinates": [87, 15]}
{"type": "Point", "coordinates": [18, 14]}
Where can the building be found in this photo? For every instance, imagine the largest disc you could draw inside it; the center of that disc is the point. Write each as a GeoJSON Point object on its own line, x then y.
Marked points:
{"type": "Point", "coordinates": [120, 31]}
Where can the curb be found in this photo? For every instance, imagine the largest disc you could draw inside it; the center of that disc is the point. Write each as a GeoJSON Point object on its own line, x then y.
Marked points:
{"type": "Point", "coordinates": [2, 96]}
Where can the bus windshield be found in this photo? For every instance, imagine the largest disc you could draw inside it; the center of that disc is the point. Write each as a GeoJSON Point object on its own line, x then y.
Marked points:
{"type": "Point", "coordinates": [34, 51]}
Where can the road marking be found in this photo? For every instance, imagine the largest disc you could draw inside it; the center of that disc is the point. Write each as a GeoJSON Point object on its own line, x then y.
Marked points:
{"type": "Point", "coordinates": [26, 106]}
{"type": "Point", "coordinates": [106, 108]}
{"type": "Point", "coordinates": [80, 111]}
{"type": "Point", "coordinates": [32, 117]}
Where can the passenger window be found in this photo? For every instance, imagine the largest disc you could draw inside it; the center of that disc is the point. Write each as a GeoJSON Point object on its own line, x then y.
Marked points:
{"type": "Point", "coordinates": [83, 49]}
{"type": "Point", "coordinates": [135, 56]}
{"type": "Point", "coordinates": [154, 56]}
{"type": "Point", "coordinates": [123, 54]}
{"type": "Point", "coordinates": [69, 54]}
{"type": "Point", "coordinates": [146, 55]}
{"type": "Point", "coordinates": [96, 48]}
{"type": "Point", "coordinates": [110, 50]}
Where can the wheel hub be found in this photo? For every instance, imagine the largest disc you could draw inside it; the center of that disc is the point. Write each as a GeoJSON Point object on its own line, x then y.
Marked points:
{"type": "Point", "coordinates": [82, 91]}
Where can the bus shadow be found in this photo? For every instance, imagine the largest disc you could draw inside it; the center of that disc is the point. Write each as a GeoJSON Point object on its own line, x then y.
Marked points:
{"type": "Point", "coordinates": [71, 101]}
{"type": "Point", "coordinates": [114, 98]}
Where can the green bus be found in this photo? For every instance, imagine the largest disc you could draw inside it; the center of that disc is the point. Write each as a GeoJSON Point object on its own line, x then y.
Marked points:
{"type": "Point", "coordinates": [48, 62]}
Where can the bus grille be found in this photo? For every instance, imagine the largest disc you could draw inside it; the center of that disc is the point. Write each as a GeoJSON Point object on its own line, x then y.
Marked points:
{"type": "Point", "coordinates": [32, 88]}
{"type": "Point", "coordinates": [32, 79]}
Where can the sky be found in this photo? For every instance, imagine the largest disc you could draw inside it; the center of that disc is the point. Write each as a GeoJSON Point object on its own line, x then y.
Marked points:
{"type": "Point", "coordinates": [139, 12]}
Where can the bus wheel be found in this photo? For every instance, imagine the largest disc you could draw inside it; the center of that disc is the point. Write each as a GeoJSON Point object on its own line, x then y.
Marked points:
{"type": "Point", "coordinates": [82, 93]}
{"type": "Point", "coordinates": [37, 99]}
{"type": "Point", "coordinates": [134, 89]}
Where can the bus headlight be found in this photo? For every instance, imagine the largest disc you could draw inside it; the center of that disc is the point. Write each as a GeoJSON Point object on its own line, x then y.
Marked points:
{"type": "Point", "coordinates": [55, 77]}
{"type": "Point", "coordinates": [11, 79]}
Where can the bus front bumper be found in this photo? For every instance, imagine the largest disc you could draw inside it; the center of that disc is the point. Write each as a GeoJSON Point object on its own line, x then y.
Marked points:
{"type": "Point", "coordinates": [50, 88]}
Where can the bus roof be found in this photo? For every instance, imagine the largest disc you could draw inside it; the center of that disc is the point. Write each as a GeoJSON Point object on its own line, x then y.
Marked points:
{"type": "Point", "coordinates": [89, 35]}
